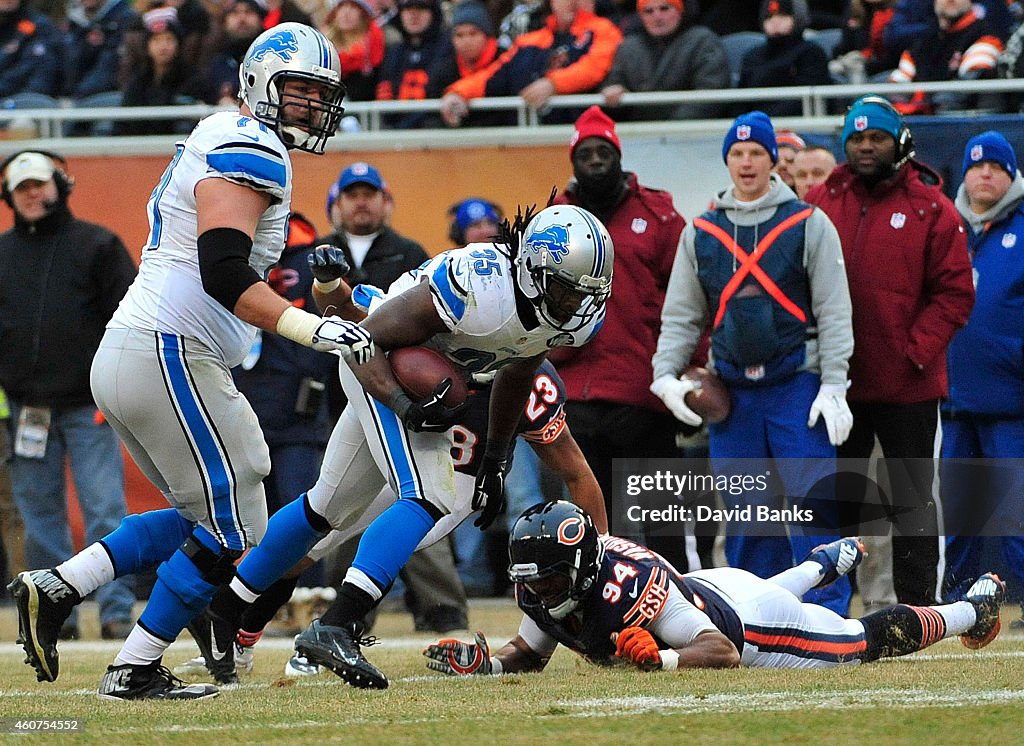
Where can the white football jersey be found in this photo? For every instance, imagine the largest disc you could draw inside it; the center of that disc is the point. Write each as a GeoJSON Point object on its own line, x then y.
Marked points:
{"type": "Point", "coordinates": [473, 292]}
{"type": "Point", "coordinates": [168, 295]}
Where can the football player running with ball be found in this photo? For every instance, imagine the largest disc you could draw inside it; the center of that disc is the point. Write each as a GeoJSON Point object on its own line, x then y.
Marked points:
{"type": "Point", "coordinates": [162, 373]}
{"type": "Point", "coordinates": [543, 425]}
{"type": "Point", "coordinates": [489, 307]}
{"type": "Point", "coordinates": [611, 600]}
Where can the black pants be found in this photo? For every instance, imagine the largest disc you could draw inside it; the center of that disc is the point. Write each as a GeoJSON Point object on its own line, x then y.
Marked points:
{"type": "Point", "coordinates": [905, 431]}
{"type": "Point", "coordinates": [606, 431]}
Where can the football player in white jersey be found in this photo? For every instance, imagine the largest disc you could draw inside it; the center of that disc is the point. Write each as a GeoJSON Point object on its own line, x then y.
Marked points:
{"type": "Point", "coordinates": [614, 601]}
{"type": "Point", "coordinates": [161, 375]}
{"type": "Point", "coordinates": [487, 307]}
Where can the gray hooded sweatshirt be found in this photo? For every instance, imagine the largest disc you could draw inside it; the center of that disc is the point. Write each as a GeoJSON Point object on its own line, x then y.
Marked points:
{"type": "Point", "coordinates": [686, 314]}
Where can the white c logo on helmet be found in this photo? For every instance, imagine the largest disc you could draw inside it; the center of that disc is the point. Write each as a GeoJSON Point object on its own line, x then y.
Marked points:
{"type": "Point", "coordinates": [570, 531]}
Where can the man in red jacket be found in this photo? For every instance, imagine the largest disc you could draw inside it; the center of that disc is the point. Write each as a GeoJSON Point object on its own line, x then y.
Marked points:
{"type": "Point", "coordinates": [612, 412]}
{"type": "Point", "coordinates": [911, 288]}
{"type": "Point", "coordinates": [571, 53]}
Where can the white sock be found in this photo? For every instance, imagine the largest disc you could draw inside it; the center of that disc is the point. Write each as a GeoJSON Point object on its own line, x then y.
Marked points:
{"type": "Point", "coordinates": [959, 616]}
{"type": "Point", "coordinates": [242, 590]}
{"type": "Point", "coordinates": [361, 581]}
{"type": "Point", "coordinates": [800, 579]}
{"type": "Point", "coordinates": [88, 570]}
{"type": "Point", "coordinates": [141, 648]}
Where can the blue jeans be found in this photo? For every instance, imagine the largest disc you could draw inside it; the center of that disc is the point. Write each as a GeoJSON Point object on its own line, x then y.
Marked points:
{"type": "Point", "coordinates": [39, 486]}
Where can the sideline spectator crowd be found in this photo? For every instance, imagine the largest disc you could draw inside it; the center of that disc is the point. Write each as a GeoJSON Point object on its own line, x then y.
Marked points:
{"type": "Point", "coordinates": [161, 52]}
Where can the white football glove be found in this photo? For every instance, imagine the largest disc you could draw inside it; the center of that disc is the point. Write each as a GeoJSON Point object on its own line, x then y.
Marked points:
{"type": "Point", "coordinates": [457, 658]}
{"type": "Point", "coordinates": [673, 391]}
{"type": "Point", "coordinates": [831, 404]}
{"type": "Point", "coordinates": [346, 337]}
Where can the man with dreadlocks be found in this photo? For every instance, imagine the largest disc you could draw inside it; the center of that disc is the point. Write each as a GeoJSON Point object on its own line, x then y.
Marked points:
{"type": "Point", "coordinates": [488, 307]}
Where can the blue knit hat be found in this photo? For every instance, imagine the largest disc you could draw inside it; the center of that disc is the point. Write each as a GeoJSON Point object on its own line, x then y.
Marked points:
{"type": "Point", "coordinates": [990, 146]}
{"type": "Point", "coordinates": [872, 113]}
{"type": "Point", "coordinates": [473, 13]}
{"type": "Point", "coordinates": [754, 126]}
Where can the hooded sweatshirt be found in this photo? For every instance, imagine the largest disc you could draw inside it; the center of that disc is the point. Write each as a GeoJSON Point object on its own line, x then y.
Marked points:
{"type": "Point", "coordinates": [686, 312]}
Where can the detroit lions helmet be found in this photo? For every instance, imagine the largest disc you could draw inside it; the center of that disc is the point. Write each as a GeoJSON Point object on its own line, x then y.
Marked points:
{"type": "Point", "coordinates": [555, 552]}
{"type": "Point", "coordinates": [564, 266]}
{"type": "Point", "coordinates": [293, 51]}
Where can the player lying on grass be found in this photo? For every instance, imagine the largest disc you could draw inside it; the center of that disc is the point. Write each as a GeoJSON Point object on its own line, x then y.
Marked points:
{"type": "Point", "coordinates": [611, 600]}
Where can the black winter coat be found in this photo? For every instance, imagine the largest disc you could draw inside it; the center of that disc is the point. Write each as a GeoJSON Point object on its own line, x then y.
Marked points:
{"type": "Point", "coordinates": [61, 279]}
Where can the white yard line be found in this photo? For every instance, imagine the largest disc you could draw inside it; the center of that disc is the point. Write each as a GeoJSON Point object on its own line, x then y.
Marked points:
{"type": "Point", "coordinates": [845, 699]}
{"type": "Point", "coordinates": [760, 702]}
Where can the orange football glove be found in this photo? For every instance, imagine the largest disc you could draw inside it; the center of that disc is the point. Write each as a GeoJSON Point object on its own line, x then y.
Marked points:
{"type": "Point", "coordinates": [636, 645]}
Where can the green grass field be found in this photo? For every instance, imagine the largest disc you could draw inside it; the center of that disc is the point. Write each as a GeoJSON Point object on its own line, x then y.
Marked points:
{"type": "Point", "coordinates": [945, 695]}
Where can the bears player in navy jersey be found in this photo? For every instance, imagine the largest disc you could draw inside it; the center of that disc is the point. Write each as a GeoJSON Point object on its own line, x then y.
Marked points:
{"type": "Point", "coordinates": [490, 308]}
{"type": "Point", "coordinates": [612, 600]}
{"type": "Point", "coordinates": [162, 376]}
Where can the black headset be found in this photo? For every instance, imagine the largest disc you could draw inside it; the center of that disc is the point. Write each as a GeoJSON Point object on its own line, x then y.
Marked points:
{"type": "Point", "coordinates": [904, 140]}
{"type": "Point", "coordinates": [455, 234]}
{"type": "Point", "coordinates": [60, 174]}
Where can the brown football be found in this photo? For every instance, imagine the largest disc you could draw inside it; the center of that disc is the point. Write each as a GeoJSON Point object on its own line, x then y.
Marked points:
{"type": "Point", "coordinates": [419, 370]}
{"type": "Point", "coordinates": [711, 401]}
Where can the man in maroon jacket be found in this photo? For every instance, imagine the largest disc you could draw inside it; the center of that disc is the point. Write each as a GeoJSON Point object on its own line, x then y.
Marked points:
{"type": "Point", "coordinates": [911, 287]}
{"type": "Point", "coordinates": [612, 412]}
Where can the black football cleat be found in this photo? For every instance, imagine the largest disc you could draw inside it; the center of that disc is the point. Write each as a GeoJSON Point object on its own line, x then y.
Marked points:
{"type": "Point", "coordinates": [337, 648]}
{"type": "Point", "coordinates": [987, 596]}
{"type": "Point", "coordinates": [216, 641]}
{"type": "Point", "coordinates": [151, 681]}
{"type": "Point", "coordinates": [44, 602]}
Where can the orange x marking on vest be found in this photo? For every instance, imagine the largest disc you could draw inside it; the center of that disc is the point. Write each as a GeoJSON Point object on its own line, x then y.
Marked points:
{"type": "Point", "coordinates": [748, 263]}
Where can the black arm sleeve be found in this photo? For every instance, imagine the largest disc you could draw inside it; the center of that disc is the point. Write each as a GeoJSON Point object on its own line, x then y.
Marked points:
{"type": "Point", "coordinates": [224, 265]}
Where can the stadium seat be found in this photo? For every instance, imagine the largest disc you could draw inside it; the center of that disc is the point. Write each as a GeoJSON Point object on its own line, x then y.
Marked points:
{"type": "Point", "coordinates": [827, 38]}
{"type": "Point", "coordinates": [738, 44]}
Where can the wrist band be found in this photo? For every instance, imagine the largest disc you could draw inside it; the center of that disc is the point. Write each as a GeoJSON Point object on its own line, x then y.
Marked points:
{"type": "Point", "coordinates": [669, 660]}
{"type": "Point", "coordinates": [399, 403]}
{"type": "Point", "coordinates": [496, 668]}
{"type": "Point", "coordinates": [327, 287]}
{"type": "Point", "coordinates": [298, 325]}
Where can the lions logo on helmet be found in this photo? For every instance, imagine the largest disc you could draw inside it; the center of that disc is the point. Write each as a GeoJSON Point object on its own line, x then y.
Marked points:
{"type": "Point", "coordinates": [556, 555]}
{"type": "Point", "coordinates": [564, 266]}
{"type": "Point", "coordinates": [553, 238]}
{"type": "Point", "coordinates": [281, 43]}
{"type": "Point", "coordinates": [293, 51]}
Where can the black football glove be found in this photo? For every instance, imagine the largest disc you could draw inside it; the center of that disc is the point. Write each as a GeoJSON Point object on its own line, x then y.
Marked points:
{"type": "Point", "coordinates": [489, 492]}
{"type": "Point", "coordinates": [328, 263]}
{"type": "Point", "coordinates": [432, 415]}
